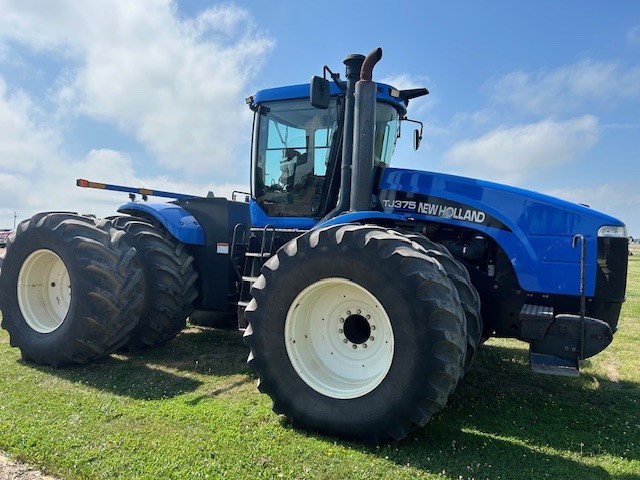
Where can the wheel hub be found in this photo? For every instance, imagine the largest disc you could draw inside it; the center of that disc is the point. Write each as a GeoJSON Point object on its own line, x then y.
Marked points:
{"type": "Point", "coordinates": [356, 328]}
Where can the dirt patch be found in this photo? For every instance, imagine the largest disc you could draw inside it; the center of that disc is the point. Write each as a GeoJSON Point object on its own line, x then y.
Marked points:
{"type": "Point", "coordinates": [10, 470]}
{"type": "Point", "coordinates": [612, 371]}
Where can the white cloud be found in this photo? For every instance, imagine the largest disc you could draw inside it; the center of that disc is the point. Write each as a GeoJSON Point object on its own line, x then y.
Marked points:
{"type": "Point", "coordinates": [11, 187]}
{"type": "Point", "coordinates": [175, 84]}
{"type": "Point", "coordinates": [22, 143]}
{"type": "Point", "coordinates": [418, 106]}
{"type": "Point", "coordinates": [513, 154]}
{"type": "Point", "coordinates": [478, 118]}
{"type": "Point", "coordinates": [405, 81]}
{"type": "Point", "coordinates": [567, 87]}
{"type": "Point", "coordinates": [223, 19]}
{"type": "Point", "coordinates": [178, 85]}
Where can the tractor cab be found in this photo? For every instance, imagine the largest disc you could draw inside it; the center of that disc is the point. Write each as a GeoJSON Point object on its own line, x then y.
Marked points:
{"type": "Point", "coordinates": [297, 151]}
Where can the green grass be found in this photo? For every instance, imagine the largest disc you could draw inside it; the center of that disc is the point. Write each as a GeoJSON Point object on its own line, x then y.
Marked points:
{"type": "Point", "coordinates": [190, 409]}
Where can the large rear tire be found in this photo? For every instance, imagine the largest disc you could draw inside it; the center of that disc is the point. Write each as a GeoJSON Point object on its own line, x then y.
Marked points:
{"type": "Point", "coordinates": [354, 332]}
{"type": "Point", "coordinates": [169, 282]}
{"type": "Point", "coordinates": [69, 289]}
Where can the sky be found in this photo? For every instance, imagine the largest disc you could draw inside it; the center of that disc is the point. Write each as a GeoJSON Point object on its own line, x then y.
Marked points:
{"type": "Point", "coordinates": [542, 95]}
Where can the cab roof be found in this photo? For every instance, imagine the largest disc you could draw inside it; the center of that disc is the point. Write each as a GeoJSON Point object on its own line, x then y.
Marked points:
{"type": "Point", "coordinates": [386, 93]}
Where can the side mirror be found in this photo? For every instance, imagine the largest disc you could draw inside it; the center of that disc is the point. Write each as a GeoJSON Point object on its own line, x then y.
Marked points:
{"type": "Point", "coordinates": [319, 92]}
{"type": "Point", "coordinates": [417, 138]}
{"type": "Point", "coordinates": [417, 133]}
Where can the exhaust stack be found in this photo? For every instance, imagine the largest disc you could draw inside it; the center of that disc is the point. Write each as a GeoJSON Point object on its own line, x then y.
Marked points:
{"type": "Point", "coordinates": [363, 134]}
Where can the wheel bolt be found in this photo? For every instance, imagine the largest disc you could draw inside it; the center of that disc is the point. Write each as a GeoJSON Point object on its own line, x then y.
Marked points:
{"type": "Point", "coordinates": [348, 312]}
{"type": "Point", "coordinates": [373, 327]}
{"type": "Point", "coordinates": [371, 338]}
{"type": "Point", "coordinates": [364, 345]}
{"type": "Point", "coordinates": [368, 317]}
{"type": "Point", "coordinates": [358, 311]}
{"type": "Point", "coordinates": [340, 330]}
{"type": "Point", "coordinates": [355, 346]}
{"type": "Point", "coordinates": [345, 340]}
{"type": "Point", "coordinates": [342, 320]}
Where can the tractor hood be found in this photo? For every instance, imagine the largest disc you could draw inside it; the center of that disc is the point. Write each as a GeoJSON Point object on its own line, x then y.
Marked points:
{"type": "Point", "coordinates": [535, 230]}
{"type": "Point", "coordinates": [482, 203]}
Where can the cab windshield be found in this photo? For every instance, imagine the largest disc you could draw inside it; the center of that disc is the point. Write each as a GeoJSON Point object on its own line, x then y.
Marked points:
{"type": "Point", "coordinates": [294, 144]}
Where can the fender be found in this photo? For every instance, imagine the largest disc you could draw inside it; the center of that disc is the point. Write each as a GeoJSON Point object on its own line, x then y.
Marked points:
{"type": "Point", "coordinates": [359, 217]}
{"type": "Point", "coordinates": [178, 221]}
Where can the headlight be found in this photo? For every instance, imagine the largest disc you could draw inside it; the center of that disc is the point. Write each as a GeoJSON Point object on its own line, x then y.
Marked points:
{"type": "Point", "coordinates": [612, 232]}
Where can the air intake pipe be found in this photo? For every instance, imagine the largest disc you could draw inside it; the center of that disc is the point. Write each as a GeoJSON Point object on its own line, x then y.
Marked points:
{"type": "Point", "coordinates": [363, 134]}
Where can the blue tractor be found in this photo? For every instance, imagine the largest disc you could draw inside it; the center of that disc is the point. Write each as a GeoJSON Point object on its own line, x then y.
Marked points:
{"type": "Point", "coordinates": [364, 291]}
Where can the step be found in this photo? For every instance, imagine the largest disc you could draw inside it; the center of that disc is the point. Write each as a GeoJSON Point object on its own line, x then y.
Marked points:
{"type": "Point", "coordinates": [552, 365]}
{"type": "Point", "coordinates": [257, 255]}
{"type": "Point", "coordinates": [535, 321]}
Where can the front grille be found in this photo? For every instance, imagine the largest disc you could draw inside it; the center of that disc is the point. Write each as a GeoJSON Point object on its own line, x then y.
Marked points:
{"type": "Point", "coordinates": [611, 274]}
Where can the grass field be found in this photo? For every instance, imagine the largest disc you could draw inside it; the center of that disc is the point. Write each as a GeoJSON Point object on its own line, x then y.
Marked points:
{"type": "Point", "coordinates": [190, 409]}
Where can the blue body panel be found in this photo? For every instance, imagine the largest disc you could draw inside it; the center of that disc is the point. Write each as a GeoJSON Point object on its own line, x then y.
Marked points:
{"type": "Point", "coordinates": [535, 230]}
{"type": "Point", "coordinates": [260, 219]}
{"type": "Point", "coordinates": [178, 221]}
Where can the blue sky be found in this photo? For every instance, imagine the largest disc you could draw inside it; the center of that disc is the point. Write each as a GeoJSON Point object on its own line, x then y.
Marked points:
{"type": "Point", "coordinates": [544, 95]}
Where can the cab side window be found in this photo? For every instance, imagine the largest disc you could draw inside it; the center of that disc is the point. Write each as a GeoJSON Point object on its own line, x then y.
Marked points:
{"type": "Point", "coordinates": [292, 150]}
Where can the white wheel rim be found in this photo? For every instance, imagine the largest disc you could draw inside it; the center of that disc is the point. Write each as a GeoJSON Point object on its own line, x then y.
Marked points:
{"type": "Point", "coordinates": [339, 338]}
{"type": "Point", "coordinates": [44, 291]}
